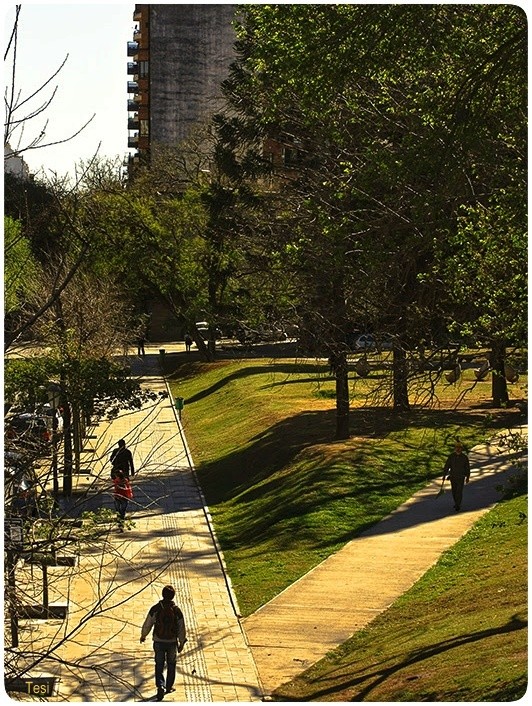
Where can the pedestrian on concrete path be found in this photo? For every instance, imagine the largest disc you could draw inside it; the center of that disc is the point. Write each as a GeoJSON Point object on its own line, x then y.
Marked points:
{"type": "Point", "coordinates": [122, 495]}
{"type": "Point", "coordinates": [169, 637]}
{"type": "Point", "coordinates": [188, 342]}
{"type": "Point", "coordinates": [141, 340]}
{"type": "Point", "coordinates": [122, 460]}
{"type": "Point", "coordinates": [458, 470]}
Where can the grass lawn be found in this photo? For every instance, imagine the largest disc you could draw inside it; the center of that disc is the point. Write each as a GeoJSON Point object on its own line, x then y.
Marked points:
{"type": "Point", "coordinates": [459, 635]}
{"type": "Point", "coordinates": [282, 492]}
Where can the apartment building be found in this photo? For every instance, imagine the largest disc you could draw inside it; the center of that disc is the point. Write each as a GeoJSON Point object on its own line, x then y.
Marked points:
{"type": "Point", "coordinates": [178, 58]}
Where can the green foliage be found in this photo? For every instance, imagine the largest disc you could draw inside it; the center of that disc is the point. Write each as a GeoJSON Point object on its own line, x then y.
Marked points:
{"type": "Point", "coordinates": [487, 271]}
{"type": "Point", "coordinates": [100, 386]}
{"type": "Point", "coordinates": [25, 380]}
{"type": "Point", "coordinates": [409, 123]}
{"type": "Point", "coordinates": [20, 266]}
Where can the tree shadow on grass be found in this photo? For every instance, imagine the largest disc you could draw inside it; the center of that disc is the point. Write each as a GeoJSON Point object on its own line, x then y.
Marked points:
{"type": "Point", "coordinates": [361, 684]}
{"type": "Point", "coordinates": [289, 474]}
{"type": "Point", "coordinates": [185, 371]}
{"type": "Point", "coordinates": [277, 446]}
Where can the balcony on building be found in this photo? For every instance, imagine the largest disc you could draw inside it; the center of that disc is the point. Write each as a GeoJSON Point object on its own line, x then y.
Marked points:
{"type": "Point", "coordinates": [132, 105]}
{"type": "Point", "coordinates": [133, 140]}
{"type": "Point", "coordinates": [132, 87]}
{"type": "Point", "coordinates": [137, 35]}
{"type": "Point", "coordinates": [137, 13]}
{"type": "Point", "coordinates": [132, 48]}
{"type": "Point", "coordinates": [132, 68]}
{"type": "Point", "coordinates": [133, 122]}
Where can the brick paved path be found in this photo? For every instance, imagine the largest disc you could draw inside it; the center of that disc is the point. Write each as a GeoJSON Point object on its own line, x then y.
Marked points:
{"type": "Point", "coordinates": [170, 542]}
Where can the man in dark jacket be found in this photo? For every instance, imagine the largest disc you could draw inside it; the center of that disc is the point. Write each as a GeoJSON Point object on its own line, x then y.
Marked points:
{"type": "Point", "coordinates": [122, 460]}
{"type": "Point", "coordinates": [457, 469]}
{"type": "Point", "coordinates": [169, 637]}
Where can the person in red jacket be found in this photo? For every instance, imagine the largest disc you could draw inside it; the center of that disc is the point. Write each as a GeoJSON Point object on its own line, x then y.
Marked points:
{"type": "Point", "coordinates": [122, 495]}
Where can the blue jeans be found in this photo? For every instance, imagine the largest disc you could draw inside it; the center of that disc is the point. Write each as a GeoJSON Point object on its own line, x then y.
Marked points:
{"type": "Point", "coordinates": [165, 651]}
{"type": "Point", "coordinates": [121, 507]}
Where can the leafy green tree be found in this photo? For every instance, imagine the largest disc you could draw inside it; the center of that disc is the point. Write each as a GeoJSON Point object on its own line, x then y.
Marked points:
{"type": "Point", "coordinates": [394, 115]}
{"type": "Point", "coordinates": [176, 231]}
{"type": "Point", "coordinates": [20, 266]}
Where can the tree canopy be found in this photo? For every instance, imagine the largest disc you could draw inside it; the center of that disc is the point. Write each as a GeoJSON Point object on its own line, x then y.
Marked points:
{"type": "Point", "coordinates": [400, 129]}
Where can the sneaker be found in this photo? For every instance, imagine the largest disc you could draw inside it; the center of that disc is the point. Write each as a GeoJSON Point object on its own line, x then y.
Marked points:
{"type": "Point", "coordinates": [169, 691]}
{"type": "Point", "coordinates": [160, 694]}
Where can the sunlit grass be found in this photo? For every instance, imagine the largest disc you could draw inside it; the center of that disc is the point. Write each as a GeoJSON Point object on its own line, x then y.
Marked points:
{"type": "Point", "coordinates": [282, 492]}
{"type": "Point", "coordinates": [459, 635]}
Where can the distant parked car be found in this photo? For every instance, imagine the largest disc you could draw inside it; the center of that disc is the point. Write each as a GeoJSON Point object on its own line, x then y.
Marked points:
{"type": "Point", "coordinates": [28, 429]}
{"type": "Point", "coordinates": [203, 330]}
{"type": "Point", "coordinates": [261, 334]}
{"type": "Point", "coordinates": [272, 334]}
{"type": "Point", "coordinates": [365, 342]}
{"type": "Point", "coordinates": [369, 342]}
{"type": "Point", "coordinates": [245, 334]}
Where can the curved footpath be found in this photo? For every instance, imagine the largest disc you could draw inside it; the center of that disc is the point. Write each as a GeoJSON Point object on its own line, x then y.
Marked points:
{"type": "Point", "coordinates": [228, 659]}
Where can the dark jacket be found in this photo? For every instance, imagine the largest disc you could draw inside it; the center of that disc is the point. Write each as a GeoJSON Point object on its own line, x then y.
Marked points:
{"type": "Point", "coordinates": [457, 466]}
{"type": "Point", "coordinates": [122, 460]}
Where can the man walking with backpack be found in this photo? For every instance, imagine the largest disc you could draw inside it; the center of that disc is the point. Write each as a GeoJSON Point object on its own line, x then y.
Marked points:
{"type": "Point", "coordinates": [169, 637]}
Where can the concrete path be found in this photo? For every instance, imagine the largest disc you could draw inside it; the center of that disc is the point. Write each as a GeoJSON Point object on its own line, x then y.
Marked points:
{"type": "Point", "coordinates": [110, 593]}
{"type": "Point", "coordinates": [350, 588]}
{"type": "Point", "coordinates": [226, 659]}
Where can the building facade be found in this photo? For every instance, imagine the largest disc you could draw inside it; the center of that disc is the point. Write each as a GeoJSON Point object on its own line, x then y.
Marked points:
{"type": "Point", "coordinates": [178, 58]}
{"type": "Point", "coordinates": [14, 164]}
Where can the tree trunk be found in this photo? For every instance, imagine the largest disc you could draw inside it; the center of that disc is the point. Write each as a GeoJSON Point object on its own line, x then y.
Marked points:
{"type": "Point", "coordinates": [499, 388]}
{"type": "Point", "coordinates": [76, 432]}
{"type": "Point", "coordinates": [67, 441]}
{"type": "Point", "coordinates": [401, 402]}
{"type": "Point", "coordinates": [342, 396]}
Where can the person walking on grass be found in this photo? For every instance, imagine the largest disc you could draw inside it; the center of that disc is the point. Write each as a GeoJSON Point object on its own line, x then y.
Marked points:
{"type": "Point", "coordinates": [122, 495]}
{"type": "Point", "coordinates": [458, 470]}
{"type": "Point", "coordinates": [169, 637]}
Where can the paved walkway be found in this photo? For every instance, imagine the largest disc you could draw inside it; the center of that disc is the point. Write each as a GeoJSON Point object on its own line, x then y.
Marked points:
{"type": "Point", "coordinates": [347, 590]}
{"type": "Point", "coordinates": [225, 659]}
{"type": "Point", "coordinates": [170, 542]}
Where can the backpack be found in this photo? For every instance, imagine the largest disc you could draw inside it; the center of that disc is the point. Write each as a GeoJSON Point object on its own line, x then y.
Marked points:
{"type": "Point", "coordinates": [165, 627]}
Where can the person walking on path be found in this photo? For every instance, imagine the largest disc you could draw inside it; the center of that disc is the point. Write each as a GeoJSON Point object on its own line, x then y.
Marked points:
{"type": "Point", "coordinates": [188, 342]}
{"type": "Point", "coordinates": [122, 495]}
{"type": "Point", "coordinates": [141, 340]}
{"type": "Point", "coordinates": [169, 637]}
{"type": "Point", "coordinates": [122, 460]}
{"type": "Point", "coordinates": [457, 469]}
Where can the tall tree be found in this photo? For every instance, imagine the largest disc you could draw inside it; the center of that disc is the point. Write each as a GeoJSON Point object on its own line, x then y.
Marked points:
{"type": "Point", "coordinates": [386, 110]}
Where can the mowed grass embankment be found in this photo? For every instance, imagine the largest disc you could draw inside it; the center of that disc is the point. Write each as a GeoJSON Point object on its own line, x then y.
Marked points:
{"type": "Point", "coordinates": [283, 494]}
{"type": "Point", "coordinates": [458, 635]}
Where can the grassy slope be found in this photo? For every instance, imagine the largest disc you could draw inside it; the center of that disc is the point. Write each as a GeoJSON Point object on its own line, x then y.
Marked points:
{"type": "Point", "coordinates": [458, 635]}
{"type": "Point", "coordinates": [283, 494]}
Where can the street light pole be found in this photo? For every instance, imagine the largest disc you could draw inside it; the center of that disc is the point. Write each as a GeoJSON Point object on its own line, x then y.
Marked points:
{"type": "Point", "coordinates": [54, 391]}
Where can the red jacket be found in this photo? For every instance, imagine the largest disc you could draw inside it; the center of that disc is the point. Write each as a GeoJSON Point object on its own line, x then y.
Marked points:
{"type": "Point", "coordinates": [122, 488]}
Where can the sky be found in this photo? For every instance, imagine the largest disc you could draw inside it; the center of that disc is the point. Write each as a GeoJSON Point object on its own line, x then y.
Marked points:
{"type": "Point", "coordinates": [93, 80]}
